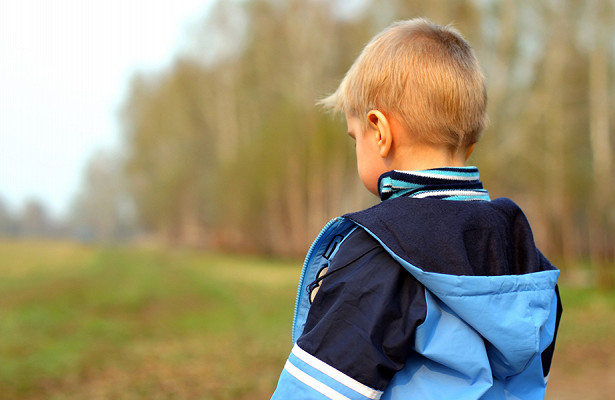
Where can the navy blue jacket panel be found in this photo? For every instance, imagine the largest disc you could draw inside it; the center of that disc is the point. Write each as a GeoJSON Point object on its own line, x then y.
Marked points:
{"type": "Point", "coordinates": [457, 238]}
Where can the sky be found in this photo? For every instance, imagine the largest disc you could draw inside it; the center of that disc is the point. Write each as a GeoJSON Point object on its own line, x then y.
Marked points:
{"type": "Point", "coordinates": [65, 67]}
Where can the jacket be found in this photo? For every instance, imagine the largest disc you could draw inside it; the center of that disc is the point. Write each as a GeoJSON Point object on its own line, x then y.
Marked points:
{"type": "Point", "coordinates": [472, 312]}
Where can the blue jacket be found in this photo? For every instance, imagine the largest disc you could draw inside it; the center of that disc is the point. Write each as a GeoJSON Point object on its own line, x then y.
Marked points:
{"type": "Point", "coordinates": [425, 299]}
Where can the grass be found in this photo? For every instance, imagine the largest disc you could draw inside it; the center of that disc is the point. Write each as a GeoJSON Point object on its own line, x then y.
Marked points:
{"type": "Point", "coordinates": [79, 322]}
{"type": "Point", "coordinates": [588, 316]}
{"type": "Point", "coordinates": [584, 361]}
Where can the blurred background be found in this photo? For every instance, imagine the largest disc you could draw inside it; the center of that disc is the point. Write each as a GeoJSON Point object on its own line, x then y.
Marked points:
{"type": "Point", "coordinates": [163, 169]}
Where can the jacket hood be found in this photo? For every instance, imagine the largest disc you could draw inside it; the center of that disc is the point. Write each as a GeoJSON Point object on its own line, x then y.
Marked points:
{"type": "Point", "coordinates": [480, 260]}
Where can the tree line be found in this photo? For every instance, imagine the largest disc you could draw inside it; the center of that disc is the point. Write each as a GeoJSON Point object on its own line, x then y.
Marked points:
{"type": "Point", "coordinates": [226, 148]}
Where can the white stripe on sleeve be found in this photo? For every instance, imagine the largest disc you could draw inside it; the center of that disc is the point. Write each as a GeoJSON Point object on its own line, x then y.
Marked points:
{"type": "Point", "coordinates": [335, 374]}
{"type": "Point", "coordinates": [314, 383]}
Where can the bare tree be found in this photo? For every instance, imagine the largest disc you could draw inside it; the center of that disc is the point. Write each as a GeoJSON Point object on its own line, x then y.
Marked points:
{"type": "Point", "coordinates": [231, 151]}
{"type": "Point", "coordinates": [103, 209]}
{"type": "Point", "coordinates": [34, 220]}
{"type": "Point", "coordinates": [600, 19]}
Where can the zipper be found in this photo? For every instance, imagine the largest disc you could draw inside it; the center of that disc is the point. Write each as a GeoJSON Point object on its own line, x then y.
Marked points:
{"type": "Point", "coordinates": [306, 262]}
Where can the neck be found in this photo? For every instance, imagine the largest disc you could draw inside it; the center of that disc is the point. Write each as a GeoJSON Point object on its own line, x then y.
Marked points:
{"type": "Point", "coordinates": [418, 157]}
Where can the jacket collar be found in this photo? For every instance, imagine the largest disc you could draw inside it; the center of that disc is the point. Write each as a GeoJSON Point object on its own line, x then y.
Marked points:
{"type": "Point", "coordinates": [450, 183]}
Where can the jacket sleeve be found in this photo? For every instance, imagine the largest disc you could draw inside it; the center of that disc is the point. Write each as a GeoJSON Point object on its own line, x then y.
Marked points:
{"type": "Point", "coordinates": [360, 327]}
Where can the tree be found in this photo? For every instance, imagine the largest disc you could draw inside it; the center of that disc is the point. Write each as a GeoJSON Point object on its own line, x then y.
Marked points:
{"type": "Point", "coordinates": [102, 210]}
{"type": "Point", "coordinates": [230, 151]}
{"type": "Point", "coordinates": [170, 151]}
{"type": "Point", "coordinates": [600, 16]}
{"type": "Point", "coordinates": [8, 225]}
{"type": "Point", "coordinates": [34, 220]}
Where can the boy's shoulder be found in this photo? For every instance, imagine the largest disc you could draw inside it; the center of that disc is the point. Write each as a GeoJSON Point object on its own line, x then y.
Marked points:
{"type": "Point", "coordinates": [454, 237]}
{"type": "Point", "coordinates": [408, 214]}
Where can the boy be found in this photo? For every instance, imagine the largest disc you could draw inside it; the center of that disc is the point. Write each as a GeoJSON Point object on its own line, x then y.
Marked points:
{"type": "Point", "coordinates": [437, 292]}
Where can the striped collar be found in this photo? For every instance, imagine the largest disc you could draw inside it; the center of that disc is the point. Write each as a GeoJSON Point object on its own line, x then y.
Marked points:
{"type": "Point", "coordinates": [451, 183]}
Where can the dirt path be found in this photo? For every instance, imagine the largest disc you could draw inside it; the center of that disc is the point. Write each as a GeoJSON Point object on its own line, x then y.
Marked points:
{"type": "Point", "coordinates": [583, 371]}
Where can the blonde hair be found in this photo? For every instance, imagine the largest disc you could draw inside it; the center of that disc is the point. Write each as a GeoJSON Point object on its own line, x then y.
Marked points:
{"type": "Point", "coordinates": [424, 74]}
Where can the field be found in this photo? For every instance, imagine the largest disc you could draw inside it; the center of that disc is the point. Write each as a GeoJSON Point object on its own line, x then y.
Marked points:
{"type": "Point", "coordinates": [80, 322]}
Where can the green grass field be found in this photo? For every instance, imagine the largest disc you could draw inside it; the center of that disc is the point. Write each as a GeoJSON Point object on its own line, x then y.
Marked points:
{"type": "Point", "coordinates": [79, 322]}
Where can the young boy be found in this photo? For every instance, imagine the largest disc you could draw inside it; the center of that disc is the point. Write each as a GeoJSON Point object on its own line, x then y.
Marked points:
{"type": "Point", "coordinates": [437, 292]}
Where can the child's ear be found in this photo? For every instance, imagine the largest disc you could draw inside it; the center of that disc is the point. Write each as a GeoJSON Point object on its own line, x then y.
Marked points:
{"type": "Point", "coordinates": [382, 129]}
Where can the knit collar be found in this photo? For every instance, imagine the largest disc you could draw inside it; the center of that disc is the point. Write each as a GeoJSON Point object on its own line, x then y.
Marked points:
{"type": "Point", "coordinates": [450, 183]}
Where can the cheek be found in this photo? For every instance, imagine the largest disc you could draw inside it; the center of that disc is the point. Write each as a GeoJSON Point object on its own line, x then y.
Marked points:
{"type": "Point", "coordinates": [370, 180]}
{"type": "Point", "coordinates": [368, 172]}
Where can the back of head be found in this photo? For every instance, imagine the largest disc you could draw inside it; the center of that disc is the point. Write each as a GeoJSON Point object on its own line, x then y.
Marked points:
{"type": "Point", "coordinates": [423, 74]}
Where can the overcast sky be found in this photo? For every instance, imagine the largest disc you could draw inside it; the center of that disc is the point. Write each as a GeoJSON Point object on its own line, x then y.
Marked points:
{"type": "Point", "coordinates": [64, 70]}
